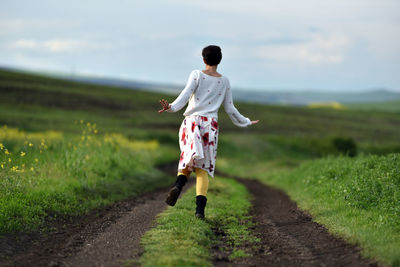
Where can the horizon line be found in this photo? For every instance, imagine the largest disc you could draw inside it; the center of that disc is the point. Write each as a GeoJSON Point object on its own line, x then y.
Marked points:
{"type": "Point", "coordinates": [171, 85]}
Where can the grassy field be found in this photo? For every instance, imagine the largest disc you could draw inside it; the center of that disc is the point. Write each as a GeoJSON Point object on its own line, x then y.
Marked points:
{"type": "Point", "coordinates": [391, 106]}
{"type": "Point", "coordinates": [35, 103]}
{"type": "Point", "coordinates": [51, 174]}
{"type": "Point", "coordinates": [300, 146]}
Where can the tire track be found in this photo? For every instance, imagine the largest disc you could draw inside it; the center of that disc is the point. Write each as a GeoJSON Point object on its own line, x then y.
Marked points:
{"type": "Point", "coordinates": [107, 236]}
{"type": "Point", "coordinates": [288, 235]}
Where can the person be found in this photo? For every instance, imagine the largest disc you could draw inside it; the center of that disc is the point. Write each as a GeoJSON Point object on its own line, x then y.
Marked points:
{"type": "Point", "coordinates": [205, 91]}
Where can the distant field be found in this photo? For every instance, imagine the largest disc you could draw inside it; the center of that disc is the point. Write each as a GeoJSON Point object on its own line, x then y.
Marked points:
{"type": "Point", "coordinates": [389, 106]}
{"type": "Point", "coordinates": [35, 103]}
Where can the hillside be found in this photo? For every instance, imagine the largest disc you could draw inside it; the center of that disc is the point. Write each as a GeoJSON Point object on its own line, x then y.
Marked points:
{"type": "Point", "coordinates": [32, 102]}
{"type": "Point", "coordinates": [267, 96]}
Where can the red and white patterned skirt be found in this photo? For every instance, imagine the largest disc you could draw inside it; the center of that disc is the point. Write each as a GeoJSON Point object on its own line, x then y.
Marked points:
{"type": "Point", "coordinates": [198, 141]}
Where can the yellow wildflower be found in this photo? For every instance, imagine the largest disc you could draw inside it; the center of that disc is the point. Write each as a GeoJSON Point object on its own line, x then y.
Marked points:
{"type": "Point", "coordinates": [36, 160]}
{"type": "Point", "coordinates": [81, 121]}
{"type": "Point", "coordinates": [6, 152]}
{"type": "Point", "coordinates": [23, 153]}
{"type": "Point", "coordinates": [9, 159]}
{"type": "Point", "coordinates": [88, 124]}
{"type": "Point", "coordinates": [30, 144]}
{"type": "Point", "coordinates": [95, 131]}
{"type": "Point", "coordinates": [31, 169]}
{"type": "Point", "coordinates": [1, 146]}
{"type": "Point", "coordinates": [2, 166]}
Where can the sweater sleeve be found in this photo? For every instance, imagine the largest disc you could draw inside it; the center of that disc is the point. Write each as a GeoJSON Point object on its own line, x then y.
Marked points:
{"type": "Point", "coordinates": [186, 93]}
{"type": "Point", "coordinates": [237, 118]}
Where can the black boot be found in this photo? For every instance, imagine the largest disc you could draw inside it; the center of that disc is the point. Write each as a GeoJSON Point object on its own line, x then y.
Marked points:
{"type": "Point", "coordinates": [173, 194]}
{"type": "Point", "coordinates": [201, 202]}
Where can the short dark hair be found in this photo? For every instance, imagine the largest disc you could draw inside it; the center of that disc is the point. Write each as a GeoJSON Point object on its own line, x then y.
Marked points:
{"type": "Point", "coordinates": [212, 55]}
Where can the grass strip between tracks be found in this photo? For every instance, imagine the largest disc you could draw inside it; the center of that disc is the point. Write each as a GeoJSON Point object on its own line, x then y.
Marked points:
{"type": "Point", "coordinates": [181, 239]}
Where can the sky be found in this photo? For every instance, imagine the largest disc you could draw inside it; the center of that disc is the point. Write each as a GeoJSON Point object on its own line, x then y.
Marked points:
{"type": "Point", "coordinates": [330, 45]}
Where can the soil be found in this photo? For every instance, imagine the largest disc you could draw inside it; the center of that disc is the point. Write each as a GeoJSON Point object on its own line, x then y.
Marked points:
{"type": "Point", "coordinates": [107, 236]}
{"type": "Point", "coordinates": [288, 235]}
{"type": "Point", "coordinates": [110, 236]}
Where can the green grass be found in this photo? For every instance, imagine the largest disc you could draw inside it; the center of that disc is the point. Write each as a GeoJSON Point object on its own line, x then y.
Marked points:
{"type": "Point", "coordinates": [390, 106]}
{"type": "Point", "coordinates": [356, 198]}
{"type": "Point", "coordinates": [182, 240]}
{"type": "Point", "coordinates": [45, 175]}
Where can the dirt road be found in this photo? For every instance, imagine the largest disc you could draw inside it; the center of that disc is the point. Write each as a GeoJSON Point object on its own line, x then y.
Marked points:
{"type": "Point", "coordinates": [105, 237]}
{"type": "Point", "coordinates": [290, 237]}
{"type": "Point", "coordinates": [110, 236]}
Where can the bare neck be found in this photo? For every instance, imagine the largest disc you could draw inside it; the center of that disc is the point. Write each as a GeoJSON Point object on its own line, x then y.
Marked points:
{"type": "Point", "coordinates": [212, 70]}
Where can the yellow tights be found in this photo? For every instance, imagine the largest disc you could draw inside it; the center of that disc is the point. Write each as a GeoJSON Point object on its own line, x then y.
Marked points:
{"type": "Point", "coordinates": [201, 180]}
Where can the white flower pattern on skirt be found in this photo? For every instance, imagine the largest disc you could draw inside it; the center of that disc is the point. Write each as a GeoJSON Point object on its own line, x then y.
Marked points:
{"type": "Point", "coordinates": [198, 141]}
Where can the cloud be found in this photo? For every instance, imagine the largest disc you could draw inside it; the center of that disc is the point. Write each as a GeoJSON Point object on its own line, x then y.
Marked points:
{"type": "Point", "coordinates": [63, 45]}
{"type": "Point", "coordinates": [54, 45]}
{"type": "Point", "coordinates": [319, 49]}
{"type": "Point", "coordinates": [30, 44]}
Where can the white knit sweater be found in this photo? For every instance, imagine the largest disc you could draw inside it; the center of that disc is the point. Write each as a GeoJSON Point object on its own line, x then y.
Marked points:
{"type": "Point", "coordinates": [205, 94]}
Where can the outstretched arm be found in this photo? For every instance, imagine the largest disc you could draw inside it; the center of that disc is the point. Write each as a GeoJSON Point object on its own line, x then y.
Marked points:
{"type": "Point", "coordinates": [237, 118]}
{"type": "Point", "coordinates": [183, 97]}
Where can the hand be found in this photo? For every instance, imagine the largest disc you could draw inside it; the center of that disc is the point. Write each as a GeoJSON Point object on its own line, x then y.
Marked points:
{"type": "Point", "coordinates": [254, 122]}
{"type": "Point", "coordinates": [165, 105]}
